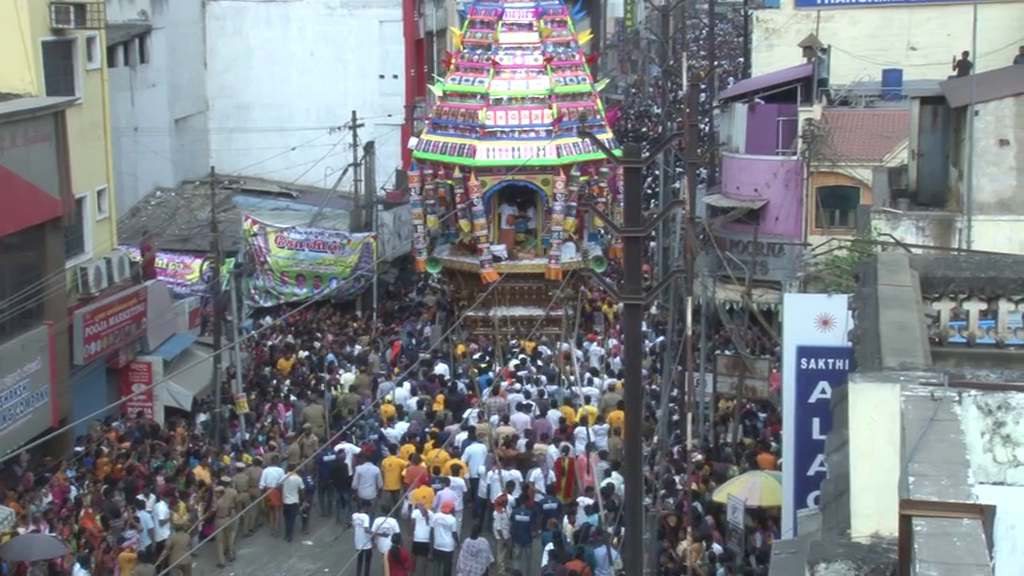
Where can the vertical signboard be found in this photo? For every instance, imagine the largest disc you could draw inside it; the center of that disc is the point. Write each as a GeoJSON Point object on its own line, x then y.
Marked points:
{"type": "Point", "coordinates": [819, 371]}
{"type": "Point", "coordinates": [137, 385]}
{"type": "Point", "coordinates": [28, 387]}
{"type": "Point", "coordinates": [808, 320]}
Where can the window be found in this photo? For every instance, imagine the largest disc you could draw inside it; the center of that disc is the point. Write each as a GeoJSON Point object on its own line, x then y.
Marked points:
{"type": "Point", "coordinates": [77, 234]}
{"type": "Point", "coordinates": [127, 58]}
{"type": "Point", "coordinates": [60, 71]}
{"type": "Point", "coordinates": [113, 56]}
{"type": "Point", "coordinates": [748, 218]}
{"type": "Point", "coordinates": [93, 56]}
{"type": "Point", "coordinates": [144, 49]}
{"type": "Point", "coordinates": [836, 207]}
{"type": "Point", "coordinates": [103, 203]}
{"type": "Point", "coordinates": [22, 281]}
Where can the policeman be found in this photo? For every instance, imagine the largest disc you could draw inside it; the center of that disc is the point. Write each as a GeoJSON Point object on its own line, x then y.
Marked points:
{"type": "Point", "coordinates": [224, 522]}
{"type": "Point", "coordinates": [255, 472]}
{"type": "Point", "coordinates": [293, 453]}
{"type": "Point", "coordinates": [240, 482]}
{"type": "Point", "coordinates": [309, 442]}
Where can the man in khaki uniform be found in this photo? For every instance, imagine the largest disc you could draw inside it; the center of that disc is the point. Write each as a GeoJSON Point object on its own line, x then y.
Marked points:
{"type": "Point", "coordinates": [309, 442]}
{"type": "Point", "coordinates": [293, 454]}
{"type": "Point", "coordinates": [225, 524]}
{"type": "Point", "coordinates": [315, 416]}
{"type": "Point", "coordinates": [255, 472]}
{"type": "Point", "coordinates": [272, 451]}
{"type": "Point", "coordinates": [178, 551]}
{"type": "Point", "coordinates": [242, 485]}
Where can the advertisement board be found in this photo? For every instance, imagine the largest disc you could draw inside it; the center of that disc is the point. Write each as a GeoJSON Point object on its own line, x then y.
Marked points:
{"type": "Point", "coordinates": [104, 326]}
{"type": "Point", "coordinates": [28, 387]}
{"type": "Point", "coordinates": [821, 320]}
{"type": "Point", "coordinates": [137, 378]}
{"type": "Point", "coordinates": [293, 264]}
{"type": "Point", "coordinates": [819, 371]}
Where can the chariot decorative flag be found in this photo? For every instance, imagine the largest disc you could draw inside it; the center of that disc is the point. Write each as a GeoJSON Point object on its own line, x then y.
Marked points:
{"type": "Point", "coordinates": [483, 245]}
{"type": "Point", "coordinates": [554, 269]}
{"type": "Point", "coordinates": [419, 225]}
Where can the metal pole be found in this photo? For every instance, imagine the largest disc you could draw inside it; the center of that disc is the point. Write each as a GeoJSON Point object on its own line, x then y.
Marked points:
{"type": "Point", "coordinates": [667, 234]}
{"type": "Point", "coordinates": [702, 400]}
{"type": "Point", "coordinates": [692, 161]}
{"type": "Point", "coordinates": [632, 322]}
{"type": "Point", "coordinates": [969, 177]}
{"type": "Point", "coordinates": [236, 313]}
{"type": "Point", "coordinates": [746, 39]}
{"type": "Point", "coordinates": [218, 316]}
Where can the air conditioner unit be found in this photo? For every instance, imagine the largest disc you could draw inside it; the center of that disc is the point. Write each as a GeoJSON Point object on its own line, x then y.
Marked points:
{"type": "Point", "coordinates": [118, 266]}
{"type": "Point", "coordinates": [92, 278]}
{"type": "Point", "coordinates": [66, 16]}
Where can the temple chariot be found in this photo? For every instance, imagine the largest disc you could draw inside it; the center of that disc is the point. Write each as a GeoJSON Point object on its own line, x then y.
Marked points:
{"type": "Point", "coordinates": [499, 170]}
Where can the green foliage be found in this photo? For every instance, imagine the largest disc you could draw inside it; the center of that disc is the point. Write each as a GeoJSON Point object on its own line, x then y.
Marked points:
{"type": "Point", "coordinates": [835, 271]}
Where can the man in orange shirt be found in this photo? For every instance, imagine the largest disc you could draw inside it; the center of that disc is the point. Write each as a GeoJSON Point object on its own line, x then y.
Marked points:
{"type": "Point", "coordinates": [765, 459]}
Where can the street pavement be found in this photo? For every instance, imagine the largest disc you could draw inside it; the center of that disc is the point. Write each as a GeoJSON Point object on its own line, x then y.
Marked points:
{"type": "Point", "coordinates": [323, 551]}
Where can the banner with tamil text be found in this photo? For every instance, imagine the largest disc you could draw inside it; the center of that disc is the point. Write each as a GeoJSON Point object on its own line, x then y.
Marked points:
{"type": "Point", "coordinates": [292, 264]}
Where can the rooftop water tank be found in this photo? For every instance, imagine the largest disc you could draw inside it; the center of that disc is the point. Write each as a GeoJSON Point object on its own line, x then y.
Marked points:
{"type": "Point", "coordinates": [892, 84]}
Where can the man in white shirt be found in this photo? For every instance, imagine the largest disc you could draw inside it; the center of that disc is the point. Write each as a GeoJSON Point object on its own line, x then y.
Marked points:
{"type": "Point", "coordinates": [363, 540]}
{"type": "Point", "coordinates": [458, 485]}
{"type": "Point", "coordinates": [383, 528]}
{"type": "Point", "coordinates": [270, 484]}
{"type": "Point", "coordinates": [420, 534]}
{"type": "Point", "coordinates": [367, 481]}
{"type": "Point", "coordinates": [350, 450]}
{"type": "Point", "coordinates": [162, 519]}
{"type": "Point", "coordinates": [540, 477]}
{"type": "Point", "coordinates": [292, 488]}
{"type": "Point", "coordinates": [442, 369]}
{"type": "Point", "coordinates": [444, 525]}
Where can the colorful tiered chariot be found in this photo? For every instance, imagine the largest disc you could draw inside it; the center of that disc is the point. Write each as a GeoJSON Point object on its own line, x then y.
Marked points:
{"type": "Point", "coordinates": [500, 168]}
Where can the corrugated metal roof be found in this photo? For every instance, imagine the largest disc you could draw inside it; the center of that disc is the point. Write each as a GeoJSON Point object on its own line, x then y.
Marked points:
{"type": "Point", "coordinates": [984, 86]}
{"type": "Point", "coordinates": [31, 104]}
{"type": "Point", "coordinates": [861, 135]}
{"type": "Point", "coordinates": [769, 80]}
{"type": "Point", "coordinates": [179, 218]}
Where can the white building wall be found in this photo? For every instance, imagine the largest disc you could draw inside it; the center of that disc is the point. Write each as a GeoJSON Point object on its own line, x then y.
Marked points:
{"type": "Point", "coordinates": [158, 108]}
{"type": "Point", "coordinates": [875, 424]}
{"type": "Point", "coordinates": [998, 155]}
{"type": "Point", "coordinates": [921, 38]}
{"type": "Point", "coordinates": [284, 76]}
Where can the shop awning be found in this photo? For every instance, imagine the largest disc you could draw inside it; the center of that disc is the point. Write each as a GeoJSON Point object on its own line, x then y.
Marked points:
{"type": "Point", "coordinates": [174, 346]}
{"type": "Point", "coordinates": [189, 375]}
{"type": "Point", "coordinates": [761, 297]}
{"type": "Point", "coordinates": [723, 201]}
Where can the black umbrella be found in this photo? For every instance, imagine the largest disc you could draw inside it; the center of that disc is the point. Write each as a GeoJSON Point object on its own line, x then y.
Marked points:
{"type": "Point", "coordinates": [33, 547]}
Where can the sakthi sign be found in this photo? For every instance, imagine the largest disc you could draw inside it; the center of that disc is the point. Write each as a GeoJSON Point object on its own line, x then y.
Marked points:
{"type": "Point", "coordinates": [816, 358]}
{"type": "Point", "coordinates": [27, 387]}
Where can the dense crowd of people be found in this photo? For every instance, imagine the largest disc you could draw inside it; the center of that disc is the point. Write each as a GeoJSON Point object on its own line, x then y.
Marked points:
{"type": "Point", "coordinates": [462, 460]}
{"type": "Point", "coordinates": [470, 457]}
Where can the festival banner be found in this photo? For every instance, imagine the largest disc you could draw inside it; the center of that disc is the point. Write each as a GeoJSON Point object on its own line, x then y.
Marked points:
{"type": "Point", "coordinates": [293, 264]}
{"type": "Point", "coordinates": [185, 273]}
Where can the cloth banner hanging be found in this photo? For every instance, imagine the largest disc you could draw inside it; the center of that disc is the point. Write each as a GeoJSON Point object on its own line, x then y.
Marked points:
{"type": "Point", "coordinates": [294, 264]}
{"type": "Point", "coordinates": [483, 246]}
{"type": "Point", "coordinates": [430, 198]}
{"type": "Point", "coordinates": [416, 216]}
{"type": "Point", "coordinates": [554, 269]}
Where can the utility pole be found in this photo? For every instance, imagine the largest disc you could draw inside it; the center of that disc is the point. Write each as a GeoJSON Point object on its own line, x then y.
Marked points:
{"type": "Point", "coordinates": [357, 177]}
{"type": "Point", "coordinates": [218, 309]}
{"type": "Point", "coordinates": [633, 298]}
{"type": "Point", "coordinates": [370, 167]}
{"type": "Point", "coordinates": [692, 155]}
{"type": "Point", "coordinates": [238, 315]}
{"type": "Point", "coordinates": [746, 39]}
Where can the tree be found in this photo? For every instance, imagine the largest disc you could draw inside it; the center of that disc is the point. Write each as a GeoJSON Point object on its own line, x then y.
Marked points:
{"type": "Point", "coordinates": [835, 271]}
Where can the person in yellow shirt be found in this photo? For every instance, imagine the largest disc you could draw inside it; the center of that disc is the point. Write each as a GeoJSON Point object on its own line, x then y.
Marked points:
{"type": "Point", "coordinates": [438, 403]}
{"type": "Point", "coordinates": [406, 451]}
{"type": "Point", "coordinates": [586, 414]}
{"type": "Point", "coordinates": [391, 468]}
{"type": "Point", "coordinates": [387, 410]}
{"type": "Point", "coordinates": [447, 468]}
{"type": "Point", "coordinates": [285, 363]}
{"type": "Point", "coordinates": [422, 496]}
{"type": "Point", "coordinates": [617, 418]}
{"type": "Point", "coordinates": [437, 457]}
{"type": "Point", "coordinates": [569, 413]}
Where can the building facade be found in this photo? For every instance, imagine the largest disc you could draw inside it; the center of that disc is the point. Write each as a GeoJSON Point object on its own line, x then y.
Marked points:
{"type": "Point", "coordinates": [920, 38]}
{"type": "Point", "coordinates": [156, 55]}
{"type": "Point", "coordinates": [56, 50]}
{"type": "Point", "coordinates": [39, 212]}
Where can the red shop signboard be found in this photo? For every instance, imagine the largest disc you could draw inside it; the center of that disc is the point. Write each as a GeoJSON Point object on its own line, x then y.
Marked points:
{"type": "Point", "coordinates": [137, 378]}
{"type": "Point", "coordinates": [105, 326]}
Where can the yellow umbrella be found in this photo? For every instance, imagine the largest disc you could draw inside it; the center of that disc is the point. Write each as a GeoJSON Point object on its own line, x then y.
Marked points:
{"type": "Point", "coordinates": [758, 489]}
